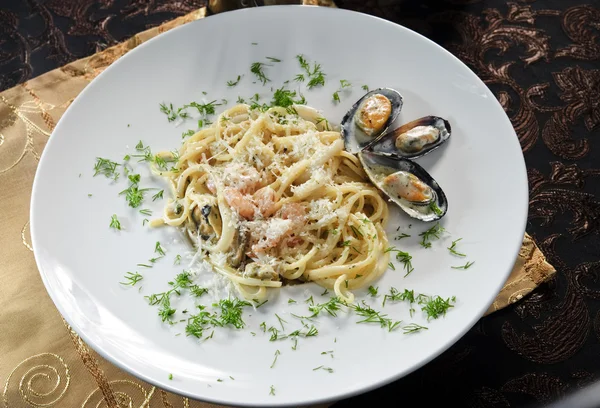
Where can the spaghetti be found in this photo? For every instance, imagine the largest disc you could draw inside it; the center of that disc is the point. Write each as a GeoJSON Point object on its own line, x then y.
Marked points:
{"type": "Point", "coordinates": [272, 197]}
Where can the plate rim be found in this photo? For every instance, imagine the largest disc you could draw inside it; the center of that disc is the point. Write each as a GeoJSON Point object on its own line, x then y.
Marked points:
{"type": "Point", "coordinates": [336, 396]}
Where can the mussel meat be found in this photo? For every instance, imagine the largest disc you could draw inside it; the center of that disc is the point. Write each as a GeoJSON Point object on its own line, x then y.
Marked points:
{"type": "Point", "coordinates": [237, 256]}
{"type": "Point", "coordinates": [406, 184]}
{"type": "Point", "coordinates": [370, 117]}
{"type": "Point", "coordinates": [204, 222]}
{"type": "Point", "coordinates": [413, 139]}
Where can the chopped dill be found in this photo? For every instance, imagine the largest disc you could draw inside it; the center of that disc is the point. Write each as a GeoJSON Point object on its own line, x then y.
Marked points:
{"type": "Point", "coordinates": [132, 278]}
{"type": "Point", "coordinates": [277, 353]}
{"type": "Point", "coordinates": [106, 167]}
{"type": "Point", "coordinates": [432, 233]}
{"type": "Point", "coordinates": [452, 248]}
{"type": "Point", "coordinates": [257, 69]}
{"type": "Point", "coordinates": [413, 328]}
{"type": "Point", "coordinates": [114, 222]}
{"type": "Point", "coordinates": [465, 266]}
{"type": "Point", "coordinates": [235, 82]}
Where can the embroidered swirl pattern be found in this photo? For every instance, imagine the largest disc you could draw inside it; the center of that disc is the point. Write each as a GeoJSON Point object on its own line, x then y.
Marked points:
{"type": "Point", "coordinates": [41, 381]}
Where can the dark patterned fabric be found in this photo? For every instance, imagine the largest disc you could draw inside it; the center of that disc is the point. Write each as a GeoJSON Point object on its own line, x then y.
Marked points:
{"type": "Point", "coordinates": [37, 36]}
{"type": "Point", "coordinates": [541, 58]}
{"type": "Point", "coordinates": [542, 61]}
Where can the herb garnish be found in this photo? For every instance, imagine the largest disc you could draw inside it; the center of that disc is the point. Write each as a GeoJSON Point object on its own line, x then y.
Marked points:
{"type": "Point", "coordinates": [276, 334]}
{"type": "Point", "coordinates": [413, 328]}
{"type": "Point", "coordinates": [259, 303]}
{"type": "Point", "coordinates": [435, 306]}
{"type": "Point", "coordinates": [433, 232]}
{"type": "Point", "coordinates": [106, 167]}
{"type": "Point", "coordinates": [434, 207]}
{"type": "Point", "coordinates": [373, 290]}
{"type": "Point", "coordinates": [403, 257]}
{"type": "Point", "coordinates": [277, 353]}
{"type": "Point", "coordinates": [196, 324]}
{"type": "Point", "coordinates": [281, 321]}
{"type": "Point", "coordinates": [328, 369]}
{"type": "Point", "coordinates": [234, 83]}
{"type": "Point", "coordinates": [257, 69]}
{"type": "Point", "coordinates": [452, 249]}
{"type": "Point", "coordinates": [317, 79]}
{"type": "Point", "coordinates": [315, 75]}
{"type": "Point", "coordinates": [465, 266]}
{"type": "Point", "coordinates": [357, 232]}
{"type": "Point", "coordinates": [182, 281]}
{"type": "Point", "coordinates": [204, 109]}
{"type": "Point", "coordinates": [331, 307]}
{"type": "Point", "coordinates": [158, 195]}
{"type": "Point", "coordinates": [343, 84]}
{"type": "Point", "coordinates": [372, 316]}
{"type": "Point", "coordinates": [132, 278]}
{"type": "Point", "coordinates": [114, 222]}
{"type": "Point", "coordinates": [231, 312]}
{"type": "Point", "coordinates": [159, 249]}
{"type": "Point", "coordinates": [320, 120]}
{"type": "Point", "coordinates": [284, 98]}
{"type": "Point", "coordinates": [303, 63]}
{"type": "Point", "coordinates": [133, 194]}
{"type": "Point", "coordinates": [171, 113]}
{"type": "Point", "coordinates": [395, 295]}
{"type": "Point", "coordinates": [146, 153]}
{"type": "Point", "coordinates": [197, 291]}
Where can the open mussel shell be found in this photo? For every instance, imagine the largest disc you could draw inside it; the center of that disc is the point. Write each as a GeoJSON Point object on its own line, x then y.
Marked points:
{"type": "Point", "coordinates": [406, 184]}
{"type": "Point", "coordinates": [370, 117]}
{"type": "Point", "coordinates": [413, 139]}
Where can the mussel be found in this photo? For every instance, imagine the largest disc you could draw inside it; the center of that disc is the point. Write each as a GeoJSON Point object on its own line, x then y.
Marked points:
{"type": "Point", "coordinates": [406, 184]}
{"type": "Point", "coordinates": [413, 139]}
{"type": "Point", "coordinates": [204, 222]}
{"type": "Point", "coordinates": [370, 117]}
{"type": "Point", "coordinates": [237, 256]}
{"type": "Point", "coordinates": [260, 271]}
{"type": "Point", "coordinates": [385, 154]}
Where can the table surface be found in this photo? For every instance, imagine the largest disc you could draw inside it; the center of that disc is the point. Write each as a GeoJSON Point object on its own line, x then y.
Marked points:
{"type": "Point", "coordinates": [540, 58]}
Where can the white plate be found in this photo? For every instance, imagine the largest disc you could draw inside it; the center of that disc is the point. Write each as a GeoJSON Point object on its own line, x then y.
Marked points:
{"type": "Point", "coordinates": [81, 260]}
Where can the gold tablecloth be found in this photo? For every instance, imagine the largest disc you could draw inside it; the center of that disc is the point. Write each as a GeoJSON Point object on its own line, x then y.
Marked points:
{"type": "Point", "coordinates": [43, 363]}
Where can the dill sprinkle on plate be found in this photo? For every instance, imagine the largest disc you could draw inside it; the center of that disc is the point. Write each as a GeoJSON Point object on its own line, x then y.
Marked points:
{"type": "Point", "coordinates": [114, 222]}
{"type": "Point", "coordinates": [432, 233]}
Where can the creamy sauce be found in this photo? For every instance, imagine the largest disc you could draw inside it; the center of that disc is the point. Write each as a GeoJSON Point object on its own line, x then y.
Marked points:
{"type": "Point", "coordinates": [416, 138]}
{"type": "Point", "coordinates": [407, 186]}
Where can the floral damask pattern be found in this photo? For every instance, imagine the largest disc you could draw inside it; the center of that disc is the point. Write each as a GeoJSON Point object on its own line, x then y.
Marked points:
{"type": "Point", "coordinates": [37, 36]}
{"type": "Point", "coordinates": [541, 59]}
